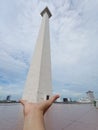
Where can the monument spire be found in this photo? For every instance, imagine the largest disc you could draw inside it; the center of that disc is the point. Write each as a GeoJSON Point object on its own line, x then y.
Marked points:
{"type": "Point", "coordinates": [39, 82]}
{"type": "Point", "coordinates": [46, 10]}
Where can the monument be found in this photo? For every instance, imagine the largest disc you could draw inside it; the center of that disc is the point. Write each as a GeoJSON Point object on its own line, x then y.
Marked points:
{"type": "Point", "coordinates": [90, 95]}
{"type": "Point", "coordinates": [39, 82]}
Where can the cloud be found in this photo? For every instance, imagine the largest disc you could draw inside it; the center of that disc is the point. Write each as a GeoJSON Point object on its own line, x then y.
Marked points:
{"type": "Point", "coordinates": [11, 68]}
{"type": "Point", "coordinates": [69, 93]}
{"type": "Point", "coordinates": [14, 90]}
{"type": "Point", "coordinates": [73, 31]}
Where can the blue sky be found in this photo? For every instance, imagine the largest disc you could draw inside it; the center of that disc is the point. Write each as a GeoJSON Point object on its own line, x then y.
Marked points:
{"type": "Point", "coordinates": [74, 47]}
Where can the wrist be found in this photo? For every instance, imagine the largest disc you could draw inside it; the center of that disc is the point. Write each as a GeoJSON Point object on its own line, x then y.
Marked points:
{"type": "Point", "coordinates": [34, 120]}
{"type": "Point", "coordinates": [33, 113]}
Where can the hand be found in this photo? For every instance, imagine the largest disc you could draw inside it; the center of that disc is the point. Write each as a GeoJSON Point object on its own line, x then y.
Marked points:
{"type": "Point", "coordinates": [41, 107]}
{"type": "Point", "coordinates": [34, 113]}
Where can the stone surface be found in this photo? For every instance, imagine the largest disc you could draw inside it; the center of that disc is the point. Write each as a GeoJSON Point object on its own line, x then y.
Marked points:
{"type": "Point", "coordinates": [58, 117]}
{"type": "Point", "coordinates": [38, 83]}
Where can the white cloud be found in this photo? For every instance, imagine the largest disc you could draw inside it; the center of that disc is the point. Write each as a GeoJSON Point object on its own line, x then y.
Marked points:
{"type": "Point", "coordinates": [69, 93]}
{"type": "Point", "coordinates": [11, 89]}
{"type": "Point", "coordinates": [73, 30]}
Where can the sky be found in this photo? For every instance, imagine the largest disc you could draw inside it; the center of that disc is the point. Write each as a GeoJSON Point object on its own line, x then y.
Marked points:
{"type": "Point", "coordinates": [74, 47]}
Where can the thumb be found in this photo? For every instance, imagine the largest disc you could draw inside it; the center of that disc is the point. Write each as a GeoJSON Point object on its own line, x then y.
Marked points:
{"type": "Point", "coordinates": [46, 104]}
{"type": "Point", "coordinates": [52, 99]}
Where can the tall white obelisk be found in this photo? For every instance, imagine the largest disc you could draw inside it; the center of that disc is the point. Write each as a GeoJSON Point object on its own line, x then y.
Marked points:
{"type": "Point", "coordinates": [39, 83]}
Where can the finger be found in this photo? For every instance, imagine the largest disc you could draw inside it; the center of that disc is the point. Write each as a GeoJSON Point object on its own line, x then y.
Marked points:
{"type": "Point", "coordinates": [48, 103]}
{"type": "Point", "coordinates": [52, 99]}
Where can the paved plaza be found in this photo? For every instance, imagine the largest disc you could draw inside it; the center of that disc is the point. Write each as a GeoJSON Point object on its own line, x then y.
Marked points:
{"type": "Point", "coordinates": [58, 117]}
{"type": "Point", "coordinates": [72, 117]}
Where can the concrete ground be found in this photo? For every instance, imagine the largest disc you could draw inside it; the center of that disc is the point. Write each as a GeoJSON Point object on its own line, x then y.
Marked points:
{"type": "Point", "coordinates": [72, 117]}
{"type": "Point", "coordinates": [58, 117]}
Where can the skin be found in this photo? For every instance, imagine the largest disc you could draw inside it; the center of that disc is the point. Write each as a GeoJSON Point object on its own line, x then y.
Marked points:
{"type": "Point", "coordinates": [34, 113]}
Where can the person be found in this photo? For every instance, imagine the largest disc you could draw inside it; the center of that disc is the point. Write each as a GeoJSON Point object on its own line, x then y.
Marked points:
{"type": "Point", "coordinates": [34, 113]}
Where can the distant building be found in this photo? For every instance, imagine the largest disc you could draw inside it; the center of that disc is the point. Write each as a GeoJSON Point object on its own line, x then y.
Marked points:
{"type": "Point", "coordinates": [8, 98]}
{"type": "Point", "coordinates": [65, 100]}
{"type": "Point", "coordinates": [84, 100]}
{"type": "Point", "coordinates": [90, 95]}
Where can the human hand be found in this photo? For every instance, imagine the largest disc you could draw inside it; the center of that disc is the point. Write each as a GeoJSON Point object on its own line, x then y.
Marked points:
{"type": "Point", "coordinates": [41, 107]}
{"type": "Point", "coordinates": [34, 113]}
